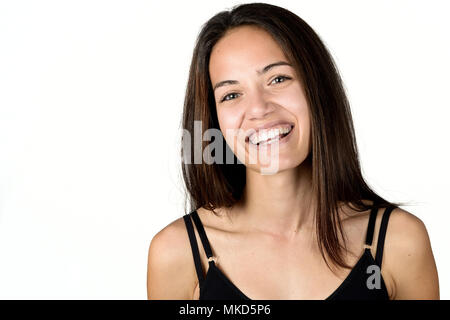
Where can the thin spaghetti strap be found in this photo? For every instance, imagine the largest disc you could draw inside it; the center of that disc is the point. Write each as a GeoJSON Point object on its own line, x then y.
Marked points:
{"type": "Point", "coordinates": [371, 226]}
{"type": "Point", "coordinates": [382, 235]}
{"type": "Point", "coordinates": [194, 247]}
{"type": "Point", "coordinates": [203, 237]}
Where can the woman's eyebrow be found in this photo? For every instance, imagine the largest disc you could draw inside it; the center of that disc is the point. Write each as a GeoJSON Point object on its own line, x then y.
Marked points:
{"type": "Point", "coordinates": [259, 72]}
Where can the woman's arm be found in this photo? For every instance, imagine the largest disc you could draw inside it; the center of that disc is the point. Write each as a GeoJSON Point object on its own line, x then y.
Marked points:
{"type": "Point", "coordinates": [409, 258]}
{"type": "Point", "coordinates": [171, 272]}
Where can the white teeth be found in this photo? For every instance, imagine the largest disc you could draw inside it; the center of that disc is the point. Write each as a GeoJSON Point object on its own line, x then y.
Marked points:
{"type": "Point", "coordinates": [264, 135]}
{"type": "Point", "coordinates": [270, 141]}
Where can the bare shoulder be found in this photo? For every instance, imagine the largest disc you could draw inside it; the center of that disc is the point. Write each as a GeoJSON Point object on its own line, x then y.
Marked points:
{"type": "Point", "coordinates": [407, 233]}
{"type": "Point", "coordinates": [408, 257]}
{"type": "Point", "coordinates": [170, 272]}
{"type": "Point", "coordinates": [407, 228]}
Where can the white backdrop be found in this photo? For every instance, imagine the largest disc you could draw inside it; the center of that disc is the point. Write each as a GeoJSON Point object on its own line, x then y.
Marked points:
{"type": "Point", "coordinates": [91, 97]}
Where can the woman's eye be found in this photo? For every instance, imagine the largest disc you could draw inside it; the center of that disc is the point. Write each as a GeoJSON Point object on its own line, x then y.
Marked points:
{"type": "Point", "coordinates": [233, 95]}
{"type": "Point", "coordinates": [282, 78]}
{"type": "Point", "coordinates": [226, 98]}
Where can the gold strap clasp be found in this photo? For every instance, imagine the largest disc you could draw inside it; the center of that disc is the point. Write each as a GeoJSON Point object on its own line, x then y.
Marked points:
{"type": "Point", "coordinates": [212, 258]}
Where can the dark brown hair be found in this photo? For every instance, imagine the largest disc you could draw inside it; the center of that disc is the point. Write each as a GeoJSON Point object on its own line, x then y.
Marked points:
{"type": "Point", "coordinates": [336, 172]}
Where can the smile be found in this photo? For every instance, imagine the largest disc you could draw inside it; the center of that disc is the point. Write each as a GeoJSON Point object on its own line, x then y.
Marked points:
{"type": "Point", "coordinates": [271, 135]}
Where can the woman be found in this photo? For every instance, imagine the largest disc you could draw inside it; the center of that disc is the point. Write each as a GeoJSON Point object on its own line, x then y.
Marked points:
{"type": "Point", "coordinates": [309, 229]}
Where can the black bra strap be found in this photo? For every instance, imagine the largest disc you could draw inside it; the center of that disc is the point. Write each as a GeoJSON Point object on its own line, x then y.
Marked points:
{"type": "Point", "coordinates": [382, 235]}
{"type": "Point", "coordinates": [371, 225]}
{"type": "Point", "coordinates": [194, 247]}
{"type": "Point", "coordinates": [201, 232]}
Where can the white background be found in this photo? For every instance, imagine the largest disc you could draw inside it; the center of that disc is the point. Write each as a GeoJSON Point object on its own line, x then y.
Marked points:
{"type": "Point", "coordinates": [91, 97]}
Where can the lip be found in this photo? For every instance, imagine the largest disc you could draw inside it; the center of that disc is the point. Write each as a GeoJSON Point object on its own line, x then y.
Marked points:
{"type": "Point", "coordinates": [280, 142]}
{"type": "Point", "coordinates": [267, 126]}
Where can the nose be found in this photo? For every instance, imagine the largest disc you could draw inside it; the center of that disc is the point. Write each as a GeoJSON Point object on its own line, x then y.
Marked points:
{"type": "Point", "coordinates": [259, 105]}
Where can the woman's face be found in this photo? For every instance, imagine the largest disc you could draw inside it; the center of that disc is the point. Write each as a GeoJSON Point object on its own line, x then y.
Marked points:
{"type": "Point", "coordinates": [249, 95]}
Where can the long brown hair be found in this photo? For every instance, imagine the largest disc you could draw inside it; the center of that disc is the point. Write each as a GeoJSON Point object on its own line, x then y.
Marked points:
{"type": "Point", "coordinates": [336, 172]}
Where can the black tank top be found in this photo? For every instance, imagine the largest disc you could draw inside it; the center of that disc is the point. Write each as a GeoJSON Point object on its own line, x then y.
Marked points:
{"type": "Point", "coordinates": [216, 285]}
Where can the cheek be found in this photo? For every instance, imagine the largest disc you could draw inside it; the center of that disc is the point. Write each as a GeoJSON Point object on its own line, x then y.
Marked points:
{"type": "Point", "coordinates": [295, 103]}
{"type": "Point", "coordinates": [229, 120]}
{"type": "Point", "coordinates": [304, 128]}
{"type": "Point", "coordinates": [302, 114]}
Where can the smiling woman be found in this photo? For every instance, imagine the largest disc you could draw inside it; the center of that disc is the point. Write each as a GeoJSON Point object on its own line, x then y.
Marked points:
{"type": "Point", "coordinates": [269, 97]}
{"type": "Point", "coordinates": [313, 228]}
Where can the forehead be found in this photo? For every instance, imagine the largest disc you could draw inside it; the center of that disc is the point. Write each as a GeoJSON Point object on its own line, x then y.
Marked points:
{"type": "Point", "coordinates": [241, 50]}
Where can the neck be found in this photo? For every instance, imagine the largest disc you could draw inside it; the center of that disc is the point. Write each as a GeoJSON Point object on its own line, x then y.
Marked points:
{"type": "Point", "coordinates": [279, 204]}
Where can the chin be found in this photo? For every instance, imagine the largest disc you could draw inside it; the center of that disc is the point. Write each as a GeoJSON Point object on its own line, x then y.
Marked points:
{"type": "Point", "coordinates": [283, 165]}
